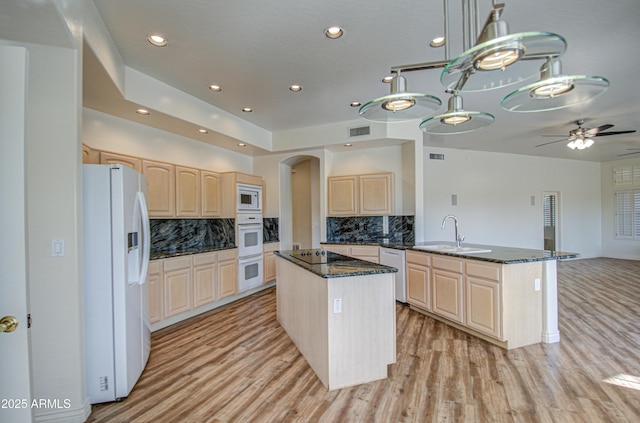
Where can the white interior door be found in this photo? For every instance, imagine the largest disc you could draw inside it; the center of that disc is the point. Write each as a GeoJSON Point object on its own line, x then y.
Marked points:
{"type": "Point", "coordinates": [15, 384]}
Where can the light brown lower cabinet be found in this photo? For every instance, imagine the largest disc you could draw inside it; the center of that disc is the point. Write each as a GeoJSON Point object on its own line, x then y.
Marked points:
{"type": "Point", "coordinates": [156, 291]}
{"type": "Point", "coordinates": [269, 260]}
{"type": "Point", "coordinates": [495, 301]}
{"type": "Point", "coordinates": [184, 284]}
{"type": "Point", "coordinates": [227, 273]}
{"type": "Point", "coordinates": [178, 283]}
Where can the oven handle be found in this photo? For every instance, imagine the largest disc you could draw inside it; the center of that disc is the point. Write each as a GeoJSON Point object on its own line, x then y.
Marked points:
{"type": "Point", "coordinates": [249, 259]}
{"type": "Point", "coordinates": [250, 226]}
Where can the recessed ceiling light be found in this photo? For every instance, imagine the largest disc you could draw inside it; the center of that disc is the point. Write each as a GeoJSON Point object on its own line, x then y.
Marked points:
{"type": "Point", "coordinates": [157, 40]}
{"type": "Point", "coordinates": [348, 144]}
{"type": "Point", "coordinates": [203, 131]}
{"type": "Point", "coordinates": [356, 104]}
{"type": "Point", "coordinates": [144, 112]}
{"type": "Point", "coordinates": [387, 79]}
{"type": "Point", "coordinates": [296, 88]}
{"type": "Point", "coordinates": [333, 32]}
{"type": "Point", "coordinates": [215, 88]}
{"type": "Point", "coordinates": [247, 109]}
{"type": "Point", "coordinates": [241, 144]}
{"type": "Point", "coordinates": [437, 42]}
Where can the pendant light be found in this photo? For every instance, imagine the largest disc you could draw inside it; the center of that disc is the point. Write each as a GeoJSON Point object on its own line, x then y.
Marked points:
{"type": "Point", "coordinates": [400, 105]}
{"type": "Point", "coordinates": [516, 56]}
{"type": "Point", "coordinates": [456, 120]}
{"type": "Point", "coordinates": [554, 91]}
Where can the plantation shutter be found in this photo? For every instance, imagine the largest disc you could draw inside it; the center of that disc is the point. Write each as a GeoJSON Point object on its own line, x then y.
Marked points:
{"type": "Point", "coordinates": [624, 213]}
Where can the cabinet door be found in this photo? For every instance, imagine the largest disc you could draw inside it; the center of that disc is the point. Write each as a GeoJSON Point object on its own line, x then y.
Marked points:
{"type": "Point", "coordinates": [228, 277]}
{"type": "Point", "coordinates": [177, 291]}
{"type": "Point", "coordinates": [447, 294]}
{"type": "Point", "coordinates": [204, 278]}
{"type": "Point", "coordinates": [483, 306]}
{"type": "Point", "coordinates": [376, 194]}
{"type": "Point", "coordinates": [210, 184]}
{"type": "Point", "coordinates": [269, 267]}
{"type": "Point", "coordinates": [111, 158]}
{"type": "Point", "coordinates": [343, 195]}
{"type": "Point", "coordinates": [154, 281]}
{"type": "Point", "coordinates": [418, 286]}
{"type": "Point", "coordinates": [161, 184]}
{"type": "Point", "coordinates": [187, 192]}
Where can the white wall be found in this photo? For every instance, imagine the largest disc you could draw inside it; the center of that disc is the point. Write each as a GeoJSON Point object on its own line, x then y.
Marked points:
{"type": "Point", "coordinates": [494, 199]}
{"type": "Point", "coordinates": [54, 199]}
{"type": "Point", "coordinates": [611, 247]}
{"type": "Point", "coordinates": [110, 133]}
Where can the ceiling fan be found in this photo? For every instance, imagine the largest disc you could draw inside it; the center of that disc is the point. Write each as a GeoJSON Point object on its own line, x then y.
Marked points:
{"type": "Point", "coordinates": [582, 138]}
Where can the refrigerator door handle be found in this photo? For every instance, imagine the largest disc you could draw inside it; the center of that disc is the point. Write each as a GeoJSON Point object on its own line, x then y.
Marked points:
{"type": "Point", "coordinates": [146, 238]}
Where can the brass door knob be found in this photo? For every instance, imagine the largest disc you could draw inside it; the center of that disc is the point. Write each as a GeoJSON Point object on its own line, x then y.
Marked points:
{"type": "Point", "coordinates": [8, 324]}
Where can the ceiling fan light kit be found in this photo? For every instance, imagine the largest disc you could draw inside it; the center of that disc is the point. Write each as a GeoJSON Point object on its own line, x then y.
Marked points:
{"type": "Point", "coordinates": [515, 57]}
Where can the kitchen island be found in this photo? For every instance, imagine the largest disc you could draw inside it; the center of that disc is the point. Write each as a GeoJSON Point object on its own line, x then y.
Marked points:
{"type": "Point", "coordinates": [505, 295]}
{"type": "Point", "coordinates": [340, 314]}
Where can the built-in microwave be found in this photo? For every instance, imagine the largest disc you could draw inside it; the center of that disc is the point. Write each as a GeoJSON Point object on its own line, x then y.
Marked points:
{"type": "Point", "coordinates": [249, 198]}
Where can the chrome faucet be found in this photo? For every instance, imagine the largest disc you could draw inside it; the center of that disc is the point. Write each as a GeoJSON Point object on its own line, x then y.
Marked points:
{"type": "Point", "coordinates": [459, 238]}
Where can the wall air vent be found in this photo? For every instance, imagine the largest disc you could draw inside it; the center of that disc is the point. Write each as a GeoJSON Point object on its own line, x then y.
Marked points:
{"type": "Point", "coordinates": [436, 156]}
{"type": "Point", "coordinates": [360, 131]}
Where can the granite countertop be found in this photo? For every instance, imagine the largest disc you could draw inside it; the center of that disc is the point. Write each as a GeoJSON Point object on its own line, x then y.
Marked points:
{"type": "Point", "coordinates": [498, 254]}
{"type": "Point", "coordinates": [176, 252]}
{"type": "Point", "coordinates": [340, 266]}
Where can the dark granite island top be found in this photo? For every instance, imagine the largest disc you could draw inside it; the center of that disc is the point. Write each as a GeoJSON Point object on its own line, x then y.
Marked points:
{"type": "Point", "coordinates": [498, 254]}
{"type": "Point", "coordinates": [327, 264]}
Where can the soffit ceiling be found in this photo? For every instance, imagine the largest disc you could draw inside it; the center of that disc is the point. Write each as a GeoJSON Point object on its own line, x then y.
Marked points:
{"type": "Point", "coordinates": [256, 49]}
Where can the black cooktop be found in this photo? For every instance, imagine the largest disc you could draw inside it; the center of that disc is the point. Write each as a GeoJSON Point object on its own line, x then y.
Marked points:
{"type": "Point", "coordinates": [317, 256]}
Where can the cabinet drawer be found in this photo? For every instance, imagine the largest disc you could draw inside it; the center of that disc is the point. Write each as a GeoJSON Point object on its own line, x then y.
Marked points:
{"type": "Point", "coordinates": [452, 265]}
{"type": "Point", "coordinates": [364, 251]}
{"type": "Point", "coordinates": [177, 263]}
{"type": "Point", "coordinates": [227, 254]}
{"type": "Point", "coordinates": [481, 270]}
{"type": "Point", "coordinates": [155, 266]}
{"type": "Point", "coordinates": [205, 258]}
{"type": "Point", "coordinates": [418, 258]}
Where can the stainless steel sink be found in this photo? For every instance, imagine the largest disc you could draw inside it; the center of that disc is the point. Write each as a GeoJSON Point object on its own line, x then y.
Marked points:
{"type": "Point", "coordinates": [446, 248]}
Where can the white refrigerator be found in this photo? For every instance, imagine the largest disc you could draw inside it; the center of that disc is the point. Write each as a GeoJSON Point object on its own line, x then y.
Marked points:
{"type": "Point", "coordinates": [116, 258]}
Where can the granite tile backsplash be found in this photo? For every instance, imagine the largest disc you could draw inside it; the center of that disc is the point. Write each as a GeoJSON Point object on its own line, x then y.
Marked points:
{"type": "Point", "coordinates": [271, 229]}
{"type": "Point", "coordinates": [400, 229]}
{"type": "Point", "coordinates": [170, 234]}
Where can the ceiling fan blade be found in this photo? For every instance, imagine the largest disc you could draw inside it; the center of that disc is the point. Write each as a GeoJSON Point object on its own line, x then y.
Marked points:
{"type": "Point", "coordinates": [604, 134]}
{"type": "Point", "coordinates": [601, 128]}
{"type": "Point", "coordinates": [554, 136]}
{"type": "Point", "coordinates": [628, 154]}
{"type": "Point", "coordinates": [552, 142]}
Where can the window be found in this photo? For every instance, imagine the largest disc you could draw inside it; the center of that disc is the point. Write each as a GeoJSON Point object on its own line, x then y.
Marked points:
{"type": "Point", "coordinates": [628, 214]}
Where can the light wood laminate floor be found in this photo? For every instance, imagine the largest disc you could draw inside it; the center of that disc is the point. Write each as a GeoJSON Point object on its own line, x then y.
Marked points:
{"type": "Point", "coordinates": [236, 364]}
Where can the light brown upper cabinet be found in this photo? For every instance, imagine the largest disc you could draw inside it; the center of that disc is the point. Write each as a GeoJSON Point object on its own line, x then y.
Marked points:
{"type": "Point", "coordinates": [343, 195]}
{"type": "Point", "coordinates": [161, 200]}
{"type": "Point", "coordinates": [89, 155]}
{"type": "Point", "coordinates": [375, 194]}
{"type": "Point", "coordinates": [187, 192]}
{"type": "Point", "coordinates": [361, 195]}
{"type": "Point", "coordinates": [210, 185]}
{"type": "Point", "coordinates": [111, 158]}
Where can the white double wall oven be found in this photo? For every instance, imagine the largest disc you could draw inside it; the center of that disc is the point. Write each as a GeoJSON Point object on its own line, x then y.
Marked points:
{"type": "Point", "coordinates": [249, 237]}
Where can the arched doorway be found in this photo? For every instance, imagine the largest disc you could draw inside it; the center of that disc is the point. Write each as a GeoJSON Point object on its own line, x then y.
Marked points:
{"type": "Point", "coordinates": [300, 202]}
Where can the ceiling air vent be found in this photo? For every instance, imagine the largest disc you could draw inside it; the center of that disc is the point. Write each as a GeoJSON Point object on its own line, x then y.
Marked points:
{"type": "Point", "coordinates": [360, 131]}
{"type": "Point", "coordinates": [436, 156]}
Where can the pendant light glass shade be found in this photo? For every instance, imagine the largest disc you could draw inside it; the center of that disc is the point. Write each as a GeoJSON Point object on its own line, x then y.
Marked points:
{"type": "Point", "coordinates": [515, 57]}
{"type": "Point", "coordinates": [456, 120]}
{"type": "Point", "coordinates": [554, 91]}
{"type": "Point", "coordinates": [400, 105]}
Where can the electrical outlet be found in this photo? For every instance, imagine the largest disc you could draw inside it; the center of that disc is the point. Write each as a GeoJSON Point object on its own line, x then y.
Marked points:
{"type": "Point", "coordinates": [337, 305]}
{"type": "Point", "coordinates": [57, 248]}
{"type": "Point", "coordinates": [536, 284]}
